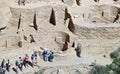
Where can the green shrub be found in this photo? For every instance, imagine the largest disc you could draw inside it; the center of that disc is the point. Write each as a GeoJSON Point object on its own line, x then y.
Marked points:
{"type": "Point", "coordinates": [98, 69]}
{"type": "Point", "coordinates": [116, 61]}
{"type": "Point", "coordinates": [113, 68]}
{"type": "Point", "coordinates": [115, 54]}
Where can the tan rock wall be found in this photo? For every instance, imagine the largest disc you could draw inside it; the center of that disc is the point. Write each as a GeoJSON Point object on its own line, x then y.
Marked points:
{"type": "Point", "coordinates": [100, 32]}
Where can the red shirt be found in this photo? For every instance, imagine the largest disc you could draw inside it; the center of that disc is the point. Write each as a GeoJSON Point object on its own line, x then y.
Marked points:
{"type": "Point", "coordinates": [26, 58]}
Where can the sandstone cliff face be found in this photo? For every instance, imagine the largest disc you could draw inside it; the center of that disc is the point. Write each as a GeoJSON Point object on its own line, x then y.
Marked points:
{"type": "Point", "coordinates": [59, 25]}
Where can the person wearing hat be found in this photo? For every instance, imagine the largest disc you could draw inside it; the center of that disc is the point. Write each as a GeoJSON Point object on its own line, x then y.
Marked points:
{"type": "Point", "coordinates": [45, 55]}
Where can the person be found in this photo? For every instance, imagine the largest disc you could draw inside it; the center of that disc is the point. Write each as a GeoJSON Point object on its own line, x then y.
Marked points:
{"type": "Point", "coordinates": [51, 56]}
{"type": "Point", "coordinates": [20, 63]}
{"type": "Point", "coordinates": [3, 65]}
{"type": "Point", "coordinates": [26, 60]}
{"type": "Point", "coordinates": [33, 58]}
{"type": "Point", "coordinates": [17, 64]}
{"type": "Point", "coordinates": [8, 65]}
{"type": "Point", "coordinates": [45, 55]}
{"type": "Point", "coordinates": [78, 50]}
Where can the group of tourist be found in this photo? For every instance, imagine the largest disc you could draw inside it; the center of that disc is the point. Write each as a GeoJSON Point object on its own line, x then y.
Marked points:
{"type": "Point", "coordinates": [18, 63]}
{"type": "Point", "coordinates": [25, 61]}
{"type": "Point", "coordinates": [48, 56]}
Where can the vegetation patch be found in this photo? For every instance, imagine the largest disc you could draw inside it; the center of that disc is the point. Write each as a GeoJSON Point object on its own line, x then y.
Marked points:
{"type": "Point", "coordinates": [113, 68]}
{"type": "Point", "coordinates": [115, 54]}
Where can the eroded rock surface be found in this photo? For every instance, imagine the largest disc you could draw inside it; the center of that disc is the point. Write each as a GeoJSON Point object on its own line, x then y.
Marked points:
{"type": "Point", "coordinates": [59, 25]}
